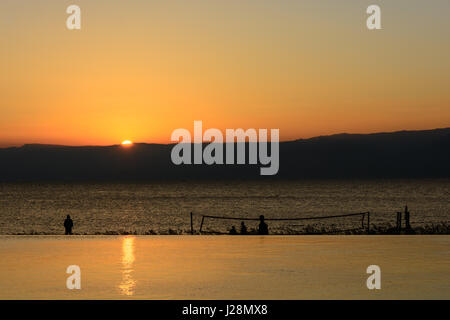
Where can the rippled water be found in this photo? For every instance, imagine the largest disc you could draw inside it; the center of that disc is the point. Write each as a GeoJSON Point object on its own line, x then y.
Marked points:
{"type": "Point", "coordinates": [99, 208]}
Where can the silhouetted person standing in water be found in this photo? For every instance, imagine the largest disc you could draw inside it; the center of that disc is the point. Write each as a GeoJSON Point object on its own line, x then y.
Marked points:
{"type": "Point", "coordinates": [68, 225]}
{"type": "Point", "coordinates": [262, 228]}
{"type": "Point", "coordinates": [243, 228]}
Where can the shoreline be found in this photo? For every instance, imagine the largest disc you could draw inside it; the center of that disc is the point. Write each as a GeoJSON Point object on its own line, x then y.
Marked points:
{"type": "Point", "coordinates": [442, 228]}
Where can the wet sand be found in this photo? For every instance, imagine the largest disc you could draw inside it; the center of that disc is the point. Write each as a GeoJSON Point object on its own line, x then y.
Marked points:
{"type": "Point", "coordinates": [225, 267]}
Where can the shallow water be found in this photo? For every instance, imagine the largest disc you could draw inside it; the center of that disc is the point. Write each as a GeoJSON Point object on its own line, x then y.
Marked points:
{"type": "Point", "coordinates": [225, 267]}
{"type": "Point", "coordinates": [99, 208]}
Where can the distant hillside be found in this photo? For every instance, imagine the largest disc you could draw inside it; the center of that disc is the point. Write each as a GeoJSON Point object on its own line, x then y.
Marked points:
{"type": "Point", "coordinates": [405, 154]}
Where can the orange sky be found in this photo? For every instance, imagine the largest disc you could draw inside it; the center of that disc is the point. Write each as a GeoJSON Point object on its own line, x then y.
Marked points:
{"type": "Point", "coordinates": [141, 70]}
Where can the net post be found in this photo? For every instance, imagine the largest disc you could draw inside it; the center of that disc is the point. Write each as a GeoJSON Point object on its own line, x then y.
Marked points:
{"type": "Point", "coordinates": [192, 225]}
{"type": "Point", "coordinates": [201, 224]}
{"type": "Point", "coordinates": [362, 219]}
{"type": "Point", "coordinates": [399, 222]}
{"type": "Point", "coordinates": [368, 222]}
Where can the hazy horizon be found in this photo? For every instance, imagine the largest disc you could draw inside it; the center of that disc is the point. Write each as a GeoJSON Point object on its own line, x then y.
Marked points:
{"type": "Point", "coordinates": [3, 145]}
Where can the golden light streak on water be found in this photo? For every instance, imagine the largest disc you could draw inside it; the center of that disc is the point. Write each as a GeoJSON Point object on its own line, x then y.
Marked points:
{"type": "Point", "coordinates": [128, 284]}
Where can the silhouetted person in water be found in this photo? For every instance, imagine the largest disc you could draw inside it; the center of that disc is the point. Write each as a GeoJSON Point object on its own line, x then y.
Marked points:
{"type": "Point", "coordinates": [243, 228]}
{"type": "Point", "coordinates": [68, 225]}
{"type": "Point", "coordinates": [233, 230]}
{"type": "Point", "coordinates": [262, 228]}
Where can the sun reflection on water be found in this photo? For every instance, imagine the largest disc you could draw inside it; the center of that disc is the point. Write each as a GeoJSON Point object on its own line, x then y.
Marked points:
{"type": "Point", "coordinates": [127, 284]}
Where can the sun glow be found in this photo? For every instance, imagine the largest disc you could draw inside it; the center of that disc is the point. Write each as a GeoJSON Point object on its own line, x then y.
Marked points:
{"type": "Point", "coordinates": [127, 143]}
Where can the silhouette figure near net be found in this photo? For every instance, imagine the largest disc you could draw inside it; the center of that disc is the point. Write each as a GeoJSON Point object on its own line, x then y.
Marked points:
{"type": "Point", "coordinates": [68, 225]}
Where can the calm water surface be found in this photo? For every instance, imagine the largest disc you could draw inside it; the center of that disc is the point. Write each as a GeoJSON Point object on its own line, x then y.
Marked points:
{"type": "Point", "coordinates": [225, 267]}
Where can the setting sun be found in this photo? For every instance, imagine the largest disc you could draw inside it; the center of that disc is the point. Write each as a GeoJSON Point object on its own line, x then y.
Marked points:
{"type": "Point", "coordinates": [127, 143]}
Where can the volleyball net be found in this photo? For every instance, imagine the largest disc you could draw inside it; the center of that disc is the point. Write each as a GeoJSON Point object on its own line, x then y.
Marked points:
{"type": "Point", "coordinates": [352, 223]}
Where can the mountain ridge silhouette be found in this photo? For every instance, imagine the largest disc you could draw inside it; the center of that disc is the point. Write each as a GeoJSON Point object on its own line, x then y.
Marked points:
{"type": "Point", "coordinates": [400, 154]}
